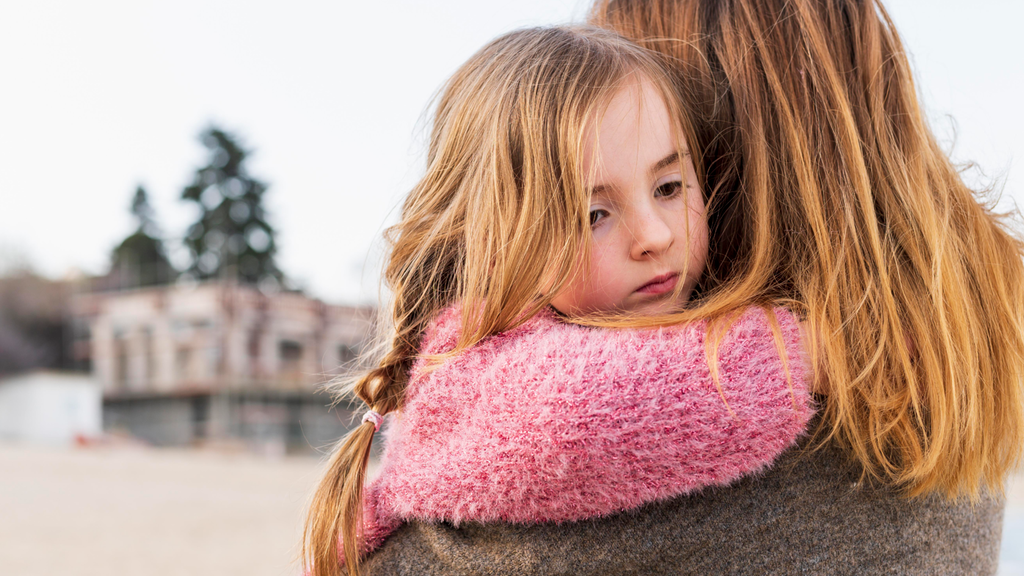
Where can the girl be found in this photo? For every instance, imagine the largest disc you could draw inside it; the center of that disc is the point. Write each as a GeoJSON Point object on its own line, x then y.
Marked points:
{"type": "Point", "coordinates": [826, 188]}
{"type": "Point", "coordinates": [556, 176]}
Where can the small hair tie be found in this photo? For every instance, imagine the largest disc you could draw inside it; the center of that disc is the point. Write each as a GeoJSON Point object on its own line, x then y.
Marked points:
{"type": "Point", "coordinates": [375, 417]}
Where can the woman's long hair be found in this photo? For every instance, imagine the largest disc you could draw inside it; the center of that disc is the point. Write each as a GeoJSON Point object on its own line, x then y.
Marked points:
{"type": "Point", "coordinates": [830, 193]}
{"type": "Point", "coordinates": [500, 217]}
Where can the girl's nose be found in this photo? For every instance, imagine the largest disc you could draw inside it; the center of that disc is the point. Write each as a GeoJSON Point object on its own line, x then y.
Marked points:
{"type": "Point", "coordinates": [652, 234]}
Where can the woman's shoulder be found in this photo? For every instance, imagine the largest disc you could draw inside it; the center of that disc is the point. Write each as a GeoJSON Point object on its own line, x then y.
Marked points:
{"type": "Point", "coordinates": [809, 513]}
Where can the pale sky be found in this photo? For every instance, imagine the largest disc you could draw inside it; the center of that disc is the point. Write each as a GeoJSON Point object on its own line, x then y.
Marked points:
{"type": "Point", "coordinates": [101, 96]}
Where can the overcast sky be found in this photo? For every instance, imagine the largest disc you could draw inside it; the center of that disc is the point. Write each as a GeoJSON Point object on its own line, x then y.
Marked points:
{"type": "Point", "coordinates": [98, 97]}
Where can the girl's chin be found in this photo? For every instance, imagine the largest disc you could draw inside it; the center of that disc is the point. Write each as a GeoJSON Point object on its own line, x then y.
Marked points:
{"type": "Point", "coordinates": [656, 306]}
{"type": "Point", "coordinates": [638, 304]}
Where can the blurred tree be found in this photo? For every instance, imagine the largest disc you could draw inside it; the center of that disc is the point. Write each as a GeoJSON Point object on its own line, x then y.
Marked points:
{"type": "Point", "coordinates": [33, 322]}
{"type": "Point", "coordinates": [140, 260]}
{"type": "Point", "coordinates": [232, 238]}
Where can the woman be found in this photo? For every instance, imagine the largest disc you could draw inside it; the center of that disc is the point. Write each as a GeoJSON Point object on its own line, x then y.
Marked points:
{"type": "Point", "coordinates": [829, 194]}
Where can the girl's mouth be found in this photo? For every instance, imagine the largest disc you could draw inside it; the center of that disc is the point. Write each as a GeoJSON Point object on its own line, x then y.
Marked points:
{"type": "Point", "coordinates": [660, 284]}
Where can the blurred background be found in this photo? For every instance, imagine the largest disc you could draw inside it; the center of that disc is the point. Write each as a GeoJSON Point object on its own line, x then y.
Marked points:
{"type": "Point", "coordinates": [191, 200]}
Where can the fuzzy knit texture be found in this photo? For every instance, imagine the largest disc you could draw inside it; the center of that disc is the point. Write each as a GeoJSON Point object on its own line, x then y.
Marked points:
{"type": "Point", "coordinates": [554, 422]}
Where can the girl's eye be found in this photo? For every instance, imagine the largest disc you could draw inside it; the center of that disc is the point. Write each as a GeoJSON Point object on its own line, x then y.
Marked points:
{"type": "Point", "coordinates": [596, 215]}
{"type": "Point", "coordinates": [668, 189]}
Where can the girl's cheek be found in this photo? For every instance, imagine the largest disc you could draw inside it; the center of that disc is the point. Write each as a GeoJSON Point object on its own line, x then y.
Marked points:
{"type": "Point", "coordinates": [600, 232]}
{"type": "Point", "coordinates": [601, 253]}
{"type": "Point", "coordinates": [606, 265]}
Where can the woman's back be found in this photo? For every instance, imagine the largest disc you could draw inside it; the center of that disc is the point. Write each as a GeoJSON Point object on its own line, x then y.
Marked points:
{"type": "Point", "coordinates": [809, 514]}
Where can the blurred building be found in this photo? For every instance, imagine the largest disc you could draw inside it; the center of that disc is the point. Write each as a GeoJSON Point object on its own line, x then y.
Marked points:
{"type": "Point", "coordinates": [48, 407]}
{"type": "Point", "coordinates": [218, 362]}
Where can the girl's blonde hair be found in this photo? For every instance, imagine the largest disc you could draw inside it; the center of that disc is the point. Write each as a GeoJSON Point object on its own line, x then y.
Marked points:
{"type": "Point", "coordinates": [501, 215]}
{"type": "Point", "coordinates": [830, 193]}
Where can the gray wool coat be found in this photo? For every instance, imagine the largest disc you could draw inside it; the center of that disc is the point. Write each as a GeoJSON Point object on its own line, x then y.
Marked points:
{"type": "Point", "coordinates": [807, 515]}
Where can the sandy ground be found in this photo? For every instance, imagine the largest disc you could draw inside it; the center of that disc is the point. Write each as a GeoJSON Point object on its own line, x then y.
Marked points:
{"type": "Point", "coordinates": [136, 511]}
{"type": "Point", "coordinates": [103, 511]}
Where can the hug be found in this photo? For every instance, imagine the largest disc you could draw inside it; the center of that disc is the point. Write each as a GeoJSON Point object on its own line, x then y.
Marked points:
{"type": "Point", "coordinates": [689, 290]}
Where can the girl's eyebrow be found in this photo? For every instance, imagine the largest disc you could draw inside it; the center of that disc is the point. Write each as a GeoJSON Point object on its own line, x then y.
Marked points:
{"type": "Point", "coordinates": [666, 161]}
{"type": "Point", "coordinates": [658, 166]}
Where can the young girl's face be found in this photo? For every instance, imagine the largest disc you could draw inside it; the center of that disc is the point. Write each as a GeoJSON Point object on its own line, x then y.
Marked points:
{"type": "Point", "coordinates": [647, 212]}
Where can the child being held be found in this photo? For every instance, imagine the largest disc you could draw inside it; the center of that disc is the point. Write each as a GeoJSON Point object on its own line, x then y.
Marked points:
{"type": "Point", "coordinates": [559, 197]}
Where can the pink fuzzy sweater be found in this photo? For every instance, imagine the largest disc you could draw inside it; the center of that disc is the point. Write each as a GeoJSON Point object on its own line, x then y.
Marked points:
{"type": "Point", "coordinates": [556, 422]}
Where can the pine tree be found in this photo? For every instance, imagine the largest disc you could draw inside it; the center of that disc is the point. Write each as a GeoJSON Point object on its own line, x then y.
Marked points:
{"type": "Point", "coordinates": [140, 260]}
{"type": "Point", "coordinates": [231, 238]}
